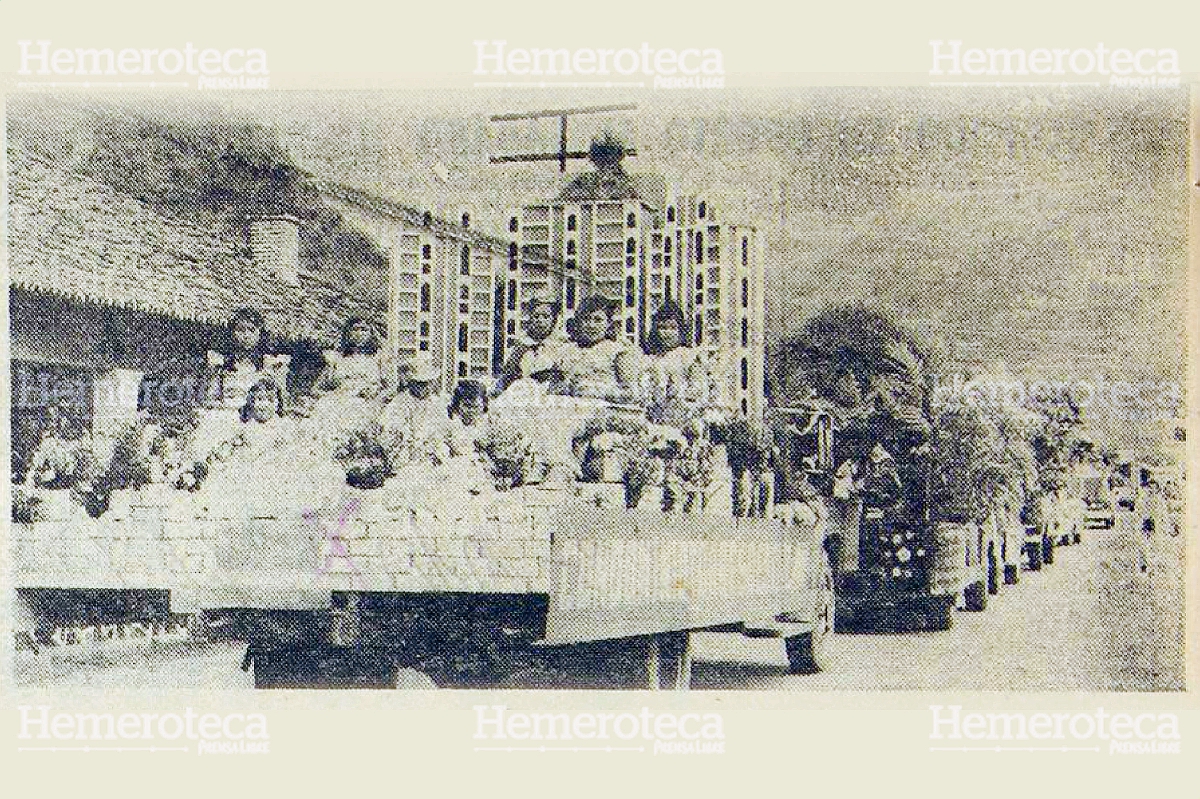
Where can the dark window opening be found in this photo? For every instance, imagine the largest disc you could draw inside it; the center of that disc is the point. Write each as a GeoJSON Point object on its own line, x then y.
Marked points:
{"type": "Point", "coordinates": [465, 257]}
{"type": "Point", "coordinates": [424, 296]}
{"type": "Point", "coordinates": [570, 221]}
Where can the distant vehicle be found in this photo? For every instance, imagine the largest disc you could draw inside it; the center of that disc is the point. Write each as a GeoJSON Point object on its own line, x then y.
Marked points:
{"type": "Point", "coordinates": [1097, 503]}
{"type": "Point", "coordinates": [896, 567]}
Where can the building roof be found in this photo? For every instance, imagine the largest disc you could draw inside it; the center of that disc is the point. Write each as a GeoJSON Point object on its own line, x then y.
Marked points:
{"type": "Point", "coordinates": [443, 228]}
{"type": "Point", "coordinates": [75, 237]}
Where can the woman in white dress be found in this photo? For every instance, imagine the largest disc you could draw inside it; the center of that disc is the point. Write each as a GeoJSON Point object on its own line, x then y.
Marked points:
{"type": "Point", "coordinates": [596, 364]}
{"type": "Point", "coordinates": [675, 376]}
{"type": "Point", "coordinates": [243, 360]}
{"type": "Point", "coordinates": [268, 464]}
{"type": "Point", "coordinates": [536, 355]}
{"type": "Point", "coordinates": [448, 471]}
{"type": "Point", "coordinates": [348, 392]}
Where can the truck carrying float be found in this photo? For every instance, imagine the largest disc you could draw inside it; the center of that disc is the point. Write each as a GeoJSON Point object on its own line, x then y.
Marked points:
{"type": "Point", "coordinates": [467, 585]}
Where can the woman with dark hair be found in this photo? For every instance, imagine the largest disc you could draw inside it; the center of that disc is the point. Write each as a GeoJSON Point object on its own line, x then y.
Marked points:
{"type": "Point", "coordinates": [537, 353]}
{"type": "Point", "coordinates": [349, 392]}
{"type": "Point", "coordinates": [355, 366]}
{"type": "Point", "coordinates": [467, 410]}
{"type": "Point", "coordinates": [242, 359]}
{"type": "Point", "coordinates": [596, 364]}
{"type": "Point", "coordinates": [264, 402]}
{"type": "Point", "coordinates": [674, 378]}
{"type": "Point", "coordinates": [449, 465]}
{"type": "Point", "coordinates": [668, 330]}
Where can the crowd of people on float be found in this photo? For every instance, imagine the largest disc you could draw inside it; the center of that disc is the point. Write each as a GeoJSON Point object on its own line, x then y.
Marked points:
{"type": "Point", "coordinates": [365, 420]}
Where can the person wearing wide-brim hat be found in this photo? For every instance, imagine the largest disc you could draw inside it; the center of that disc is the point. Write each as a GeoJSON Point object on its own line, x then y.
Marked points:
{"type": "Point", "coordinates": [410, 418]}
{"type": "Point", "coordinates": [536, 355]}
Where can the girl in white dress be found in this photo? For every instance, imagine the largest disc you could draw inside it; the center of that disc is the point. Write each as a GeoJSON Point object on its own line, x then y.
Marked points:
{"type": "Point", "coordinates": [243, 360]}
{"type": "Point", "coordinates": [675, 375]}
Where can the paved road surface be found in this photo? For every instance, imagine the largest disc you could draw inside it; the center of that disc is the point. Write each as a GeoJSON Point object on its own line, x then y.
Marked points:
{"type": "Point", "coordinates": [1091, 621]}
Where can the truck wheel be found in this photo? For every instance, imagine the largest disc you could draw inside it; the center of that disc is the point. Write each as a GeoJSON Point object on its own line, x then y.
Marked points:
{"type": "Point", "coordinates": [975, 597]}
{"type": "Point", "coordinates": [411, 679]}
{"type": "Point", "coordinates": [1012, 573]}
{"type": "Point", "coordinates": [1047, 550]}
{"type": "Point", "coordinates": [808, 653]}
{"type": "Point", "coordinates": [1034, 550]}
{"type": "Point", "coordinates": [935, 613]}
{"type": "Point", "coordinates": [1076, 537]}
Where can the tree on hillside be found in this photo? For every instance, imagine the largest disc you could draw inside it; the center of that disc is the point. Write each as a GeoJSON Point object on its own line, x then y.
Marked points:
{"type": "Point", "coordinates": [221, 172]}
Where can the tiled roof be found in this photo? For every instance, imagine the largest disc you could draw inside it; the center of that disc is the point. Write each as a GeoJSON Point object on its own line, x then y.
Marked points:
{"type": "Point", "coordinates": [414, 217]}
{"type": "Point", "coordinates": [73, 236]}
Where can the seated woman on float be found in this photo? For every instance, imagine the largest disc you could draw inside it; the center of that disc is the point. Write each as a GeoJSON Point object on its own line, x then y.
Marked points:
{"type": "Point", "coordinates": [347, 393]}
{"type": "Point", "coordinates": [675, 377]}
{"type": "Point", "coordinates": [242, 359]}
{"type": "Point", "coordinates": [596, 364]}
{"type": "Point", "coordinates": [536, 356]}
